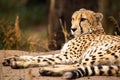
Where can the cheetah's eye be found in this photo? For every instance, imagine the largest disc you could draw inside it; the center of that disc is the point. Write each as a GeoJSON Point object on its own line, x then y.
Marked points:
{"type": "Point", "coordinates": [82, 19]}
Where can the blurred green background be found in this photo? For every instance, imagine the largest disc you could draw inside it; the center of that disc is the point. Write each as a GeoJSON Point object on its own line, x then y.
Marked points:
{"type": "Point", "coordinates": [31, 12]}
{"type": "Point", "coordinates": [24, 23]}
{"type": "Point", "coordinates": [32, 24]}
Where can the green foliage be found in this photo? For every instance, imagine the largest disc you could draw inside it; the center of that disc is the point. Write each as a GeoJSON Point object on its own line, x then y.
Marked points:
{"type": "Point", "coordinates": [33, 15]}
{"type": "Point", "coordinates": [29, 15]}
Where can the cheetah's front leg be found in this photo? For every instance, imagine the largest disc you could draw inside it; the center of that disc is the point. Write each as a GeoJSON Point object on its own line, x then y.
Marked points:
{"type": "Point", "coordinates": [17, 62]}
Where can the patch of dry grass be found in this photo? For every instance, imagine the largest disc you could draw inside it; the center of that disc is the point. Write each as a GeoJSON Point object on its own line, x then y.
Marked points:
{"type": "Point", "coordinates": [9, 35]}
{"type": "Point", "coordinates": [12, 37]}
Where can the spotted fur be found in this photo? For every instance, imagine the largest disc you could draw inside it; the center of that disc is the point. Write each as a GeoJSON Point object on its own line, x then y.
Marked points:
{"type": "Point", "coordinates": [91, 52]}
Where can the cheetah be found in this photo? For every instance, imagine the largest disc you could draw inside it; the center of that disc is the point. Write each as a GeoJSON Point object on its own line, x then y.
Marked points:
{"type": "Point", "coordinates": [91, 52]}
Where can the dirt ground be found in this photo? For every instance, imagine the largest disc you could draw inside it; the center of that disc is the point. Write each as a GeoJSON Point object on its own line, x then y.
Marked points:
{"type": "Point", "coordinates": [6, 73]}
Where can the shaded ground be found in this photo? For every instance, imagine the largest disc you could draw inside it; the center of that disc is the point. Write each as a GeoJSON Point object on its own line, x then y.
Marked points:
{"type": "Point", "coordinates": [6, 73]}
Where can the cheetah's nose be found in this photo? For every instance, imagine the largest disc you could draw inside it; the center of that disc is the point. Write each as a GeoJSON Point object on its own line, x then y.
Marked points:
{"type": "Point", "coordinates": [73, 29]}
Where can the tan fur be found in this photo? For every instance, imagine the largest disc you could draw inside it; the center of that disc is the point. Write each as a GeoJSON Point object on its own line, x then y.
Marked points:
{"type": "Point", "coordinates": [92, 22]}
{"type": "Point", "coordinates": [90, 48]}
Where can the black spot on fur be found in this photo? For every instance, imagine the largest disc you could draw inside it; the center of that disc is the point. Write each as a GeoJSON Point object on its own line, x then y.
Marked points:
{"type": "Point", "coordinates": [100, 55]}
{"type": "Point", "coordinates": [66, 56]}
{"type": "Point", "coordinates": [86, 71]}
{"type": "Point", "coordinates": [51, 59]}
{"type": "Point", "coordinates": [109, 72]}
{"type": "Point", "coordinates": [101, 72]}
{"type": "Point", "coordinates": [84, 63]}
{"type": "Point", "coordinates": [113, 54]}
{"type": "Point", "coordinates": [38, 60]}
{"type": "Point", "coordinates": [92, 62]}
{"type": "Point", "coordinates": [49, 62]}
{"type": "Point", "coordinates": [107, 58]}
{"type": "Point", "coordinates": [100, 67]}
{"type": "Point", "coordinates": [100, 48]}
{"type": "Point", "coordinates": [116, 56]}
{"type": "Point", "coordinates": [75, 48]}
{"type": "Point", "coordinates": [73, 43]}
{"type": "Point", "coordinates": [78, 50]}
{"type": "Point", "coordinates": [111, 67]}
{"type": "Point", "coordinates": [45, 60]}
{"type": "Point", "coordinates": [106, 44]}
{"type": "Point", "coordinates": [108, 51]}
{"type": "Point", "coordinates": [78, 45]}
{"type": "Point", "coordinates": [59, 58]}
{"type": "Point", "coordinates": [93, 71]}
{"type": "Point", "coordinates": [93, 58]}
{"type": "Point", "coordinates": [86, 59]}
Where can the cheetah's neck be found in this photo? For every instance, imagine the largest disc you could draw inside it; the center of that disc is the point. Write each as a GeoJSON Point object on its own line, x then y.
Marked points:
{"type": "Point", "coordinates": [98, 30]}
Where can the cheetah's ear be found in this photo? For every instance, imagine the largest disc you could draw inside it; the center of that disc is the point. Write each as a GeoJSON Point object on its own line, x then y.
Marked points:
{"type": "Point", "coordinates": [99, 16]}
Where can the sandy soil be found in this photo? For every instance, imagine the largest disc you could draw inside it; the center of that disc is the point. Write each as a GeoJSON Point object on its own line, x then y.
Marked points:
{"type": "Point", "coordinates": [6, 73]}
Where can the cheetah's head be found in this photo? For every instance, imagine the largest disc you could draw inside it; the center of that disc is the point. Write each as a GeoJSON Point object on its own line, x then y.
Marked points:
{"type": "Point", "coordinates": [85, 21]}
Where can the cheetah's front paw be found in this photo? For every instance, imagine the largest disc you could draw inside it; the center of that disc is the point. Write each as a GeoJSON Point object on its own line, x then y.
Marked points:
{"type": "Point", "coordinates": [7, 61]}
